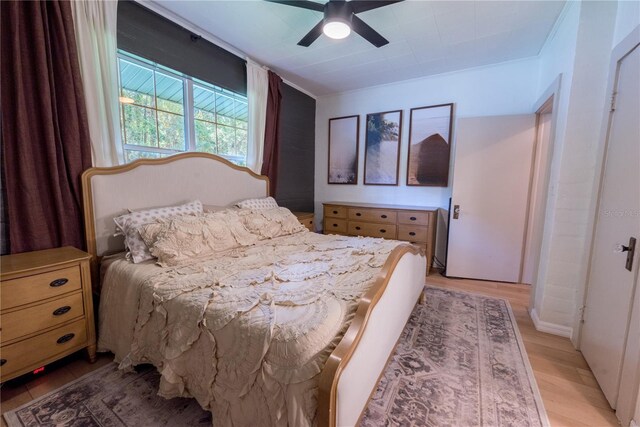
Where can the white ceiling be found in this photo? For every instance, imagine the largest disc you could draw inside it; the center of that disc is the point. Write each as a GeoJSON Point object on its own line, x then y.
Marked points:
{"type": "Point", "coordinates": [426, 38]}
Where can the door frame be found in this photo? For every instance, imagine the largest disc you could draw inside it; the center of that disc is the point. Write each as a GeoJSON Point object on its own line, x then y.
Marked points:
{"type": "Point", "coordinates": [537, 287]}
{"type": "Point", "coordinates": [630, 382]}
{"type": "Point", "coordinates": [549, 102]}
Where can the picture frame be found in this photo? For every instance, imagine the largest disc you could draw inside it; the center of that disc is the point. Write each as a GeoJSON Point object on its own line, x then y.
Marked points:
{"type": "Point", "coordinates": [383, 137]}
{"type": "Point", "coordinates": [344, 145]}
{"type": "Point", "coordinates": [430, 136]}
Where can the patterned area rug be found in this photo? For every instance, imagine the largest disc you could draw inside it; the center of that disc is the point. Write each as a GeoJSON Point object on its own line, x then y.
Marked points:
{"type": "Point", "coordinates": [460, 362]}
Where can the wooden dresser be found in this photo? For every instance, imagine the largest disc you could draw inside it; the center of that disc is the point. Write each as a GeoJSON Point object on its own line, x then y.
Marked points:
{"type": "Point", "coordinates": [46, 309]}
{"type": "Point", "coordinates": [306, 219]}
{"type": "Point", "coordinates": [408, 223]}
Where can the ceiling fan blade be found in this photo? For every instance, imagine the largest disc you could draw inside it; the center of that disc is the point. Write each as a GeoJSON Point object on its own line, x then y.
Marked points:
{"type": "Point", "coordinates": [358, 6]}
{"type": "Point", "coordinates": [312, 35]}
{"type": "Point", "coordinates": [304, 4]}
{"type": "Point", "coordinates": [368, 33]}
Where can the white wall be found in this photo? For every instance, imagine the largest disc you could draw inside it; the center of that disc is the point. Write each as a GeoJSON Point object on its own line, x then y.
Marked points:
{"type": "Point", "coordinates": [501, 89]}
{"type": "Point", "coordinates": [627, 18]}
{"type": "Point", "coordinates": [587, 32]}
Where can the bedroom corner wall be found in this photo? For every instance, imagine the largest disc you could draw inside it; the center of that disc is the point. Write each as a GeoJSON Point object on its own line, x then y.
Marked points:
{"type": "Point", "coordinates": [580, 51]}
{"type": "Point", "coordinates": [501, 89]}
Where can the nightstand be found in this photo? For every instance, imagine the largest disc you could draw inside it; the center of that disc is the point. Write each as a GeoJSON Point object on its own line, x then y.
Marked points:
{"type": "Point", "coordinates": [46, 309]}
{"type": "Point", "coordinates": [306, 219]}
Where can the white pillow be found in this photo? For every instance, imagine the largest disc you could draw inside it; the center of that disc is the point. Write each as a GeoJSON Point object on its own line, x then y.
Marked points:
{"type": "Point", "coordinates": [129, 225]}
{"type": "Point", "coordinates": [264, 203]}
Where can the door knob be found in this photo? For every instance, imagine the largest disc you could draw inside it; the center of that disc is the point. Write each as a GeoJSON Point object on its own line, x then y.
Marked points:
{"type": "Point", "coordinates": [630, 249]}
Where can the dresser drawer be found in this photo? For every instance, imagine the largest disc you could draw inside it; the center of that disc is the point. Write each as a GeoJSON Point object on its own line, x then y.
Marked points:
{"type": "Point", "coordinates": [372, 230]}
{"type": "Point", "coordinates": [373, 215]}
{"type": "Point", "coordinates": [34, 288]}
{"type": "Point", "coordinates": [413, 233]}
{"type": "Point", "coordinates": [335, 225]}
{"type": "Point", "coordinates": [413, 217]}
{"type": "Point", "coordinates": [335, 211]}
{"type": "Point", "coordinates": [33, 319]}
{"type": "Point", "coordinates": [34, 350]}
{"type": "Point", "coordinates": [307, 222]}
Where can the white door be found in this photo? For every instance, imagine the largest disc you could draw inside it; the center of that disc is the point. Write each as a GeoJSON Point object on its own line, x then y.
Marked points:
{"type": "Point", "coordinates": [611, 285]}
{"type": "Point", "coordinates": [492, 171]}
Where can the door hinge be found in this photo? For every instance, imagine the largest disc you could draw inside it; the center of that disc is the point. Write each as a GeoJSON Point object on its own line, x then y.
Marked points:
{"type": "Point", "coordinates": [613, 101]}
{"type": "Point", "coordinates": [582, 311]}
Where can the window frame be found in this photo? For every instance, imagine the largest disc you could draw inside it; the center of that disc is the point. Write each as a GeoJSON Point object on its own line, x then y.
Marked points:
{"type": "Point", "coordinates": [188, 109]}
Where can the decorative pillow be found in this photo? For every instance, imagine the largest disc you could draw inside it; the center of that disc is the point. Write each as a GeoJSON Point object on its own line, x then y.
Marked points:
{"type": "Point", "coordinates": [129, 225]}
{"type": "Point", "coordinates": [270, 223]}
{"type": "Point", "coordinates": [215, 208]}
{"type": "Point", "coordinates": [175, 241]}
{"type": "Point", "coordinates": [264, 203]}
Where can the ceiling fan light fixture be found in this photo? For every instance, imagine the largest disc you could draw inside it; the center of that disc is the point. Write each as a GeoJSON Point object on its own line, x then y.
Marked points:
{"type": "Point", "coordinates": [336, 29]}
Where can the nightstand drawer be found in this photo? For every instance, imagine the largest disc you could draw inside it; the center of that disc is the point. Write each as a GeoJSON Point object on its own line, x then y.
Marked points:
{"type": "Point", "coordinates": [42, 316]}
{"type": "Point", "coordinates": [372, 230]}
{"type": "Point", "coordinates": [373, 215]}
{"type": "Point", "coordinates": [332, 225]}
{"type": "Point", "coordinates": [335, 211]}
{"type": "Point", "coordinates": [37, 350]}
{"type": "Point", "coordinates": [416, 218]}
{"type": "Point", "coordinates": [34, 288]}
{"type": "Point", "coordinates": [307, 222]}
{"type": "Point", "coordinates": [413, 233]}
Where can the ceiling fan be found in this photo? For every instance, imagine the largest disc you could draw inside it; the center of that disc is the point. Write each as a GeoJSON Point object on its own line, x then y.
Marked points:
{"type": "Point", "coordinates": [340, 18]}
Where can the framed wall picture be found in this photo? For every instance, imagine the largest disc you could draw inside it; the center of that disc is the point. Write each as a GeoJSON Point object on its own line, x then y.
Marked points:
{"type": "Point", "coordinates": [343, 150]}
{"type": "Point", "coordinates": [430, 145]}
{"type": "Point", "coordinates": [382, 148]}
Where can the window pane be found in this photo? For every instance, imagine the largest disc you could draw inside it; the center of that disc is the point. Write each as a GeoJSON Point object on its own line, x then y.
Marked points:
{"type": "Point", "coordinates": [170, 93]}
{"type": "Point", "coordinates": [171, 131]}
{"type": "Point", "coordinates": [204, 104]}
{"type": "Point", "coordinates": [206, 137]}
{"type": "Point", "coordinates": [241, 143]}
{"type": "Point", "coordinates": [140, 126]}
{"type": "Point", "coordinates": [226, 139]}
{"type": "Point", "coordinates": [225, 109]}
{"type": "Point", "coordinates": [137, 83]}
{"type": "Point", "coordinates": [242, 113]}
{"type": "Point", "coordinates": [135, 155]}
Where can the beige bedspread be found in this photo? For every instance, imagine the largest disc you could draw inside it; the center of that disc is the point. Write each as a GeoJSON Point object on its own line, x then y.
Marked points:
{"type": "Point", "coordinates": [247, 332]}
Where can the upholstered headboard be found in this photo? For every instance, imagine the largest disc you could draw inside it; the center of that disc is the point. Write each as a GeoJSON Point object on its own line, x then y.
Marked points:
{"type": "Point", "coordinates": [148, 183]}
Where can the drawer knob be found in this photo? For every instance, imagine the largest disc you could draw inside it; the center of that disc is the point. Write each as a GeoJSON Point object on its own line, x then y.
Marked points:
{"type": "Point", "coordinates": [67, 337]}
{"type": "Point", "coordinates": [62, 310]}
{"type": "Point", "coordinates": [383, 216]}
{"type": "Point", "coordinates": [412, 233]}
{"type": "Point", "coordinates": [413, 218]}
{"type": "Point", "coordinates": [357, 228]}
{"type": "Point", "coordinates": [335, 225]}
{"type": "Point", "coordinates": [335, 212]}
{"type": "Point", "coordinates": [358, 214]}
{"type": "Point", "coordinates": [382, 230]}
{"type": "Point", "coordinates": [58, 282]}
{"type": "Point", "coordinates": [3, 361]}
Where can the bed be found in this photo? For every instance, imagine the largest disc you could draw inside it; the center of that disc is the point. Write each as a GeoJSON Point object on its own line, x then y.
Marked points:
{"type": "Point", "coordinates": [354, 353]}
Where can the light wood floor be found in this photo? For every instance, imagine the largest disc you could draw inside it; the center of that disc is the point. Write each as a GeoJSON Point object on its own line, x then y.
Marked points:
{"type": "Point", "coordinates": [569, 391]}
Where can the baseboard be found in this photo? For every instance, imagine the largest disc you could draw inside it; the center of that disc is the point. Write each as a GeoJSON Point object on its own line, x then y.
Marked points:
{"type": "Point", "coordinates": [548, 327]}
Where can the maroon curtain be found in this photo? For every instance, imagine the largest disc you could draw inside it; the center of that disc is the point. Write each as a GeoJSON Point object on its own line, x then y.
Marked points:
{"type": "Point", "coordinates": [270, 154]}
{"type": "Point", "coordinates": [45, 138]}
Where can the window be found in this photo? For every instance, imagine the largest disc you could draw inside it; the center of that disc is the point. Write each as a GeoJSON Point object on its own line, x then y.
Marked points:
{"type": "Point", "coordinates": [164, 112]}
